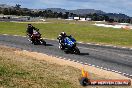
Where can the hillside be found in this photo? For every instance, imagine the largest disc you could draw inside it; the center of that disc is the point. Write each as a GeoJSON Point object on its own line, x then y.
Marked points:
{"type": "Point", "coordinates": [5, 6]}
{"type": "Point", "coordinates": [82, 12]}
{"type": "Point", "coordinates": [89, 11]}
{"type": "Point", "coordinates": [77, 11]}
{"type": "Point", "coordinates": [118, 16]}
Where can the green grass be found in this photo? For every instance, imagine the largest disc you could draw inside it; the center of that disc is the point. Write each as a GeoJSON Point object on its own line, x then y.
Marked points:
{"type": "Point", "coordinates": [82, 31]}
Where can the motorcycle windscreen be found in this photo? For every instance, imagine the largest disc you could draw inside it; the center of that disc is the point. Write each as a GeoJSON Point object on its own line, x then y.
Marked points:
{"type": "Point", "coordinates": [72, 39]}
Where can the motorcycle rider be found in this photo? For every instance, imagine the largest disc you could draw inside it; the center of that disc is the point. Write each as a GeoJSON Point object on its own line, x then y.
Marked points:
{"type": "Point", "coordinates": [34, 35]}
{"type": "Point", "coordinates": [61, 38]}
{"type": "Point", "coordinates": [30, 29]}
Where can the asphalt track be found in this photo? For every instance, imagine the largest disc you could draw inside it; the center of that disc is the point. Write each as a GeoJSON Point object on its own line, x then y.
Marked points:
{"type": "Point", "coordinates": [108, 58]}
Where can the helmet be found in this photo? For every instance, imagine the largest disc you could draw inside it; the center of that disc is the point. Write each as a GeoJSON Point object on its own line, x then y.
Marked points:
{"type": "Point", "coordinates": [63, 33]}
{"type": "Point", "coordinates": [29, 25]}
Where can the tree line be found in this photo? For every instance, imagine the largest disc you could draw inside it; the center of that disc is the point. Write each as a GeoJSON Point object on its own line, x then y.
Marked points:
{"type": "Point", "coordinates": [17, 10]}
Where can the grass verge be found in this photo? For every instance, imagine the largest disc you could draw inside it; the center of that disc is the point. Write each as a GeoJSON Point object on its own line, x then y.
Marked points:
{"type": "Point", "coordinates": [22, 71]}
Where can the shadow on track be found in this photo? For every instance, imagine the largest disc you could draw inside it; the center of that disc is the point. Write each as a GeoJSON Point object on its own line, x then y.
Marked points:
{"type": "Point", "coordinates": [49, 45]}
{"type": "Point", "coordinates": [84, 54]}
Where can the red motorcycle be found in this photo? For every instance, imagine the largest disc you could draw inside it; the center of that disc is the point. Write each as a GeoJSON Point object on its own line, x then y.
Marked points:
{"type": "Point", "coordinates": [36, 39]}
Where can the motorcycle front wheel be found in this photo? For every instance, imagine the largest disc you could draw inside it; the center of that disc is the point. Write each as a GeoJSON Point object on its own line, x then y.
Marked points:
{"type": "Point", "coordinates": [43, 42]}
{"type": "Point", "coordinates": [76, 50]}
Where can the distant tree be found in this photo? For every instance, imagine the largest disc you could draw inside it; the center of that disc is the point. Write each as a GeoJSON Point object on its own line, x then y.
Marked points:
{"type": "Point", "coordinates": [101, 18]}
{"type": "Point", "coordinates": [60, 15]}
{"type": "Point", "coordinates": [111, 20]}
{"type": "Point", "coordinates": [5, 11]}
{"type": "Point", "coordinates": [95, 17]}
{"type": "Point", "coordinates": [66, 15]}
{"type": "Point", "coordinates": [106, 18]}
{"type": "Point", "coordinates": [128, 20]}
{"type": "Point", "coordinates": [88, 15]}
{"type": "Point", "coordinates": [75, 15]}
{"type": "Point", "coordinates": [71, 14]}
{"type": "Point", "coordinates": [18, 6]}
{"type": "Point", "coordinates": [49, 14]}
{"type": "Point", "coordinates": [40, 13]}
{"type": "Point", "coordinates": [0, 10]}
{"type": "Point", "coordinates": [55, 15]}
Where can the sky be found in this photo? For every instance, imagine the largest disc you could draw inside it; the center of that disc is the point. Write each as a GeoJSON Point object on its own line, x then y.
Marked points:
{"type": "Point", "coordinates": [109, 6]}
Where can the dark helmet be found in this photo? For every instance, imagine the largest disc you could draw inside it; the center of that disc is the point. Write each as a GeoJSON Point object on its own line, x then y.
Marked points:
{"type": "Point", "coordinates": [29, 25]}
{"type": "Point", "coordinates": [63, 34]}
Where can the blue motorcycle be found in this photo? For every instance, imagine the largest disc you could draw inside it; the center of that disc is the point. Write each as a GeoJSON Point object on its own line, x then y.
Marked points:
{"type": "Point", "coordinates": [69, 45]}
